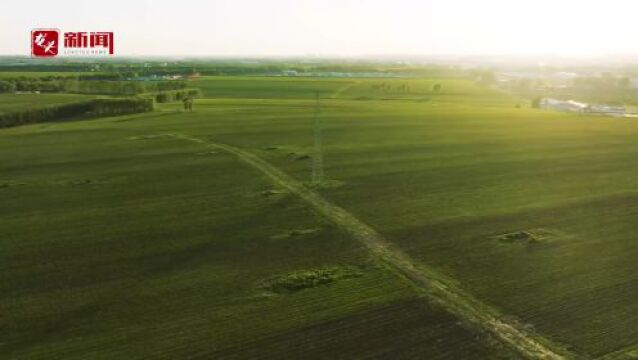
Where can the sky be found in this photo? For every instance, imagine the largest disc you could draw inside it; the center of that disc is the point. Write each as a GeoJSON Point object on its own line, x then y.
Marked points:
{"type": "Point", "coordinates": [334, 27]}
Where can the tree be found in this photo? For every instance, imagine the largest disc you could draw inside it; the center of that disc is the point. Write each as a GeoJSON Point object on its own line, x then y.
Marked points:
{"type": "Point", "coordinates": [188, 103]}
{"type": "Point", "coordinates": [7, 87]}
{"type": "Point", "coordinates": [536, 102]}
{"type": "Point", "coordinates": [436, 88]}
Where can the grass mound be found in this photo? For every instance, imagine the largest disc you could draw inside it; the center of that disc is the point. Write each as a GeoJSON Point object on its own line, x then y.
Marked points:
{"type": "Point", "coordinates": [80, 182]}
{"type": "Point", "coordinates": [273, 192]}
{"type": "Point", "coordinates": [527, 236]}
{"type": "Point", "coordinates": [295, 233]}
{"type": "Point", "coordinates": [294, 155]}
{"type": "Point", "coordinates": [518, 236]}
{"type": "Point", "coordinates": [302, 157]}
{"type": "Point", "coordinates": [306, 279]}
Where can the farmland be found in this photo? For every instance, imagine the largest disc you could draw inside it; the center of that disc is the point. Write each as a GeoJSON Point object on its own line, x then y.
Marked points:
{"type": "Point", "coordinates": [121, 237]}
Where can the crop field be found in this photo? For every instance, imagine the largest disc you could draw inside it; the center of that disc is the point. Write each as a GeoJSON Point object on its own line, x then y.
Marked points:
{"type": "Point", "coordinates": [19, 102]}
{"type": "Point", "coordinates": [119, 241]}
{"type": "Point", "coordinates": [139, 236]}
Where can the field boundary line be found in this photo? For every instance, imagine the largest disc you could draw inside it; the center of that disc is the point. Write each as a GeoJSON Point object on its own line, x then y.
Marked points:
{"type": "Point", "coordinates": [439, 289]}
{"type": "Point", "coordinates": [629, 352]}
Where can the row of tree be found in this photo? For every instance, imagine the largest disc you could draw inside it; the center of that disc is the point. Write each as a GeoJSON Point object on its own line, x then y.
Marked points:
{"type": "Point", "coordinates": [123, 69]}
{"type": "Point", "coordinates": [401, 88]}
{"type": "Point", "coordinates": [74, 85]}
{"type": "Point", "coordinates": [91, 108]}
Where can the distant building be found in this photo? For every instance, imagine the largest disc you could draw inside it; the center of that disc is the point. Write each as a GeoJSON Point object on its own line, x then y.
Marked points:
{"type": "Point", "coordinates": [579, 107]}
{"type": "Point", "coordinates": [289, 73]}
{"type": "Point", "coordinates": [611, 110]}
{"type": "Point", "coordinates": [562, 105]}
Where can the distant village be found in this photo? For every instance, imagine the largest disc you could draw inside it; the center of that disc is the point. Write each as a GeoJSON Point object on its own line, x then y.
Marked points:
{"type": "Point", "coordinates": [551, 88]}
{"type": "Point", "coordinates": [584, 108]}
{"type": "Point", "coordinates": [164, 77]}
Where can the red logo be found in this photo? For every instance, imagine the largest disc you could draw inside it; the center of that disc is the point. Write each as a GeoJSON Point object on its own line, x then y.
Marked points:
{"type": "Point", "coordinates": [45, 42]}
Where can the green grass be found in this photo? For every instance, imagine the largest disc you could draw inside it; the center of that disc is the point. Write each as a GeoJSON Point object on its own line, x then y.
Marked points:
{"type": "Point", "coordinates": [444, 178]}
{"type": "Point", "coordinates": [407, 329]}
{"type": "Point", "coordinates": [19, 102]}
{"type": "Point", "coordinates": [267, 87]}
{"type": "Point", "coordinates": [117, 241]}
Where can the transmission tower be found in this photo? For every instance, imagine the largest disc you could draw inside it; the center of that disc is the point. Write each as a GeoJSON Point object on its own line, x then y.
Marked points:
{"type": "Point", "coordinates": [317, 158]}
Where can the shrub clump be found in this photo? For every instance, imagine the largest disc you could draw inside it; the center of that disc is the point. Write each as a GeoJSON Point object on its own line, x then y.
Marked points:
{"type": "Point", "coordinates": [534, 236]}
{"type": "Point", "coordinates": [517, 236]}
{"type": "Point", "coordinates": [305, 279]}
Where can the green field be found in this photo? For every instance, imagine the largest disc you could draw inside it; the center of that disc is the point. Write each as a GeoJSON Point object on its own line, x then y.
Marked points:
{"type": "Point", "coordinates": [123, 239]}
{"type": "Point", "coordinates": [267, 87]}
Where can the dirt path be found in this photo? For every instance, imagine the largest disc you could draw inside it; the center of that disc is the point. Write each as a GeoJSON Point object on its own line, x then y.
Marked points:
{"type": "Point", "coordinates": [436, 287]}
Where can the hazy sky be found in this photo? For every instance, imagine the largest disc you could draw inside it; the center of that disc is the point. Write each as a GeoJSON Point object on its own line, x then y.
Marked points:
{"type": "Point", "coordinates": [334, 27]}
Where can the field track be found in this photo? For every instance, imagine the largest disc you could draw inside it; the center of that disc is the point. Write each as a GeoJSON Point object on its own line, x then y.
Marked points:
{"type": "Point", "coordinates": [434, 286]}
{"type": "Point", "coordinates": [622, 354]}
{"type": "Point", "coordinates": [343, 89]}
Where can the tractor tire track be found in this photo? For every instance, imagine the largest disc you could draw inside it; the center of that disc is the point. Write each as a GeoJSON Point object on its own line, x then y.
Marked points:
{"type": "Point", "coordinates": [434, 286]}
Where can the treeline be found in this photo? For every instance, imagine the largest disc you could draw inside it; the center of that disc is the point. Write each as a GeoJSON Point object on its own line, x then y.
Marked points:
{"type": "Point", "coordinates": [604, 82]}
{"type": "Point", "coordinates": [120, 75]}
{"type": "Point", "coordinates": [177, 95]}
{"type": "Point", "coordinates": [306, 69]}
{"type": "Point", "coordinates": [91, 108]}
{"type": "Point", "coordinates": [55, 84]}
{"type": "Point", "coordinates": [127, 70]}
{"type": "Point", "coordinates": [70, 68]}
{"type": "Point", "coordinates": [389, 88]}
